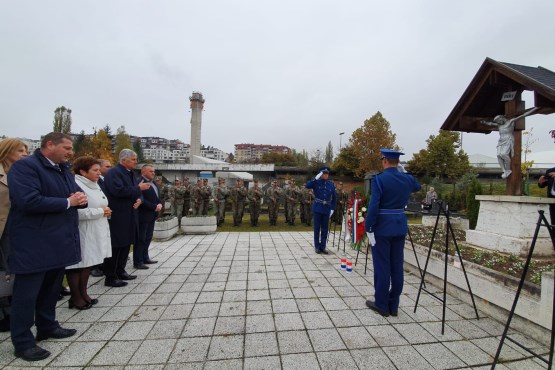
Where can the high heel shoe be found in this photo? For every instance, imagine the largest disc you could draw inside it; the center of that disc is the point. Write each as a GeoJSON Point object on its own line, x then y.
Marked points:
{"type": "Point", "coordinates": [93, 301]}
{"type": "Point", "coordinates": [86, 306]}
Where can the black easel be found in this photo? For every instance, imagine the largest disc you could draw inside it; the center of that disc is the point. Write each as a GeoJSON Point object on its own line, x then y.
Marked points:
{"type": "Point", "coordinates": [542, 221]}
{"type": "Point", "coordinates": [368, 251]}
{"type": "Point", "coordinates": [415, 255]}
{"type": "Point", "coordinates": [448, 229]}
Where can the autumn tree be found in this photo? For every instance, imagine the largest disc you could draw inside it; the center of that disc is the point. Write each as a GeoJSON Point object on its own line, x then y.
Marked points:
{"type": "Point", "coordinates": [62, 120]}
{"type": "Point", "coordinates": [278, 158]}
{"type": "Point", "coordinates": [329, 153]}
{"type": "Point", "coordinates": [81, 145]}
{"type": "Point", "coordinates": [345, 160]}
{"type": "Point", "coordinates": [366, 142]}
{"type": "Point", "coordinates": [101, 146]}
{"type": "Point", "coordinates": [443, 158]}
{"type": "Point", "coordinates": [122, 141]}
{"type": "Point", "coordinates": [137, 148]}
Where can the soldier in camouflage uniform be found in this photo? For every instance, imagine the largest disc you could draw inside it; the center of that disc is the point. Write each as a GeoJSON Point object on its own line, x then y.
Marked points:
{"type": "Point", "coordinates": [220, 194]}
{"type": "Point", "coordinates": [164, 194]}
{"type": "Point", "coordinates": [238, 195]}
{"type": "Point", "coordinates": [196, 197]}
{"type": "Point", "coordinates": [273, 194]}
{"type": "Point", "coordinates": [186, 197]}
{"type": "Point", "coordinates": [341, 196]}
{"type": "Point", "coordinates": [292, 199]}
{"type": "Point", "coordinates": [307, 199]}
{"type": "Point", "coordinates": [205, 193]}
{"type": "Point", "coordinates": [178, 203]}
{"type": "Point", "coordinates": [255, 201]}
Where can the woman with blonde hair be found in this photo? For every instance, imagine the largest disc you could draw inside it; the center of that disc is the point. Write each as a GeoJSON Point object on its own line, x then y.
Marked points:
{"type": "Point", "coordinates": [11, 150]}
{"type": "Point", "coordinates": [94, 232]}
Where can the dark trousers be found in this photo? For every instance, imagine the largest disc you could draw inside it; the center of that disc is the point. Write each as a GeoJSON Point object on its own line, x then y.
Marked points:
{"type": "Point", "coordinates": [115, 266]}
{"type": "Point", "coordinates": [34, 302]}
{"type": "Point", "coordinates": [321, 223]}
{"type": "Point", "coordinates": [140, 250]}
{"type": "Point", "coordinates": [387, 256]}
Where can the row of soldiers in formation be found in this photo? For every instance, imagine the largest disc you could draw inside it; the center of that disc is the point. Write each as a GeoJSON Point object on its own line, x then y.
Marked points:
{"type": "Point", "coordinates": [187, 199]}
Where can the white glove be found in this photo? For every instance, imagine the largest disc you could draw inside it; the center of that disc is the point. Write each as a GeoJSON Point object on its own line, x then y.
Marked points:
{"type": "Point", "coordinates": [371, 239]}
{"type": "Point", "coordinates": [401, 168]}
{"type": "Point", "coordinates": [319, 175]}
{"type": "Point", "coordinates": [331, 213]}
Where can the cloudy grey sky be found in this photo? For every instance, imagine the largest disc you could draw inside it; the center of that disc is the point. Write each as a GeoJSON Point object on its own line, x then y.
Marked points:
{"type": "Point", "coordinates": [287, 72]}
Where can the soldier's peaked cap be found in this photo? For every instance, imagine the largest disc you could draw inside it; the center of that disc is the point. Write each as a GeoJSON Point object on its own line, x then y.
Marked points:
{"type": "Point", "coordinates": [325, 169]}
{"type": "Point", "coordinates": [390, 153]}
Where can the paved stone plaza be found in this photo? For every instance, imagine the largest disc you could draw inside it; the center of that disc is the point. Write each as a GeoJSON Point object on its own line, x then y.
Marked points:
{"type": "Point", "coordinates": [265, 301]}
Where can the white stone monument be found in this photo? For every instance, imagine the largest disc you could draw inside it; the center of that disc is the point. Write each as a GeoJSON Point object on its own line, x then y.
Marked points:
{"type": "Point", "coordinates": [197, 105]}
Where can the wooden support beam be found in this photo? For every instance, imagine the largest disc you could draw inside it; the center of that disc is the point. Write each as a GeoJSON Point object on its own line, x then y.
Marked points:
{"type": "Point", "coordinates": [514, 181]}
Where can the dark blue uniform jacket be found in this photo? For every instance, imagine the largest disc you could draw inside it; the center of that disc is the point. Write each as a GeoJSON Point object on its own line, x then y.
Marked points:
{"type": "Point", "coordinates": [324, 195]}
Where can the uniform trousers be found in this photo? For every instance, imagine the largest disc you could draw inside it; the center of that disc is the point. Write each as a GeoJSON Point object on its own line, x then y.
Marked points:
{"type": "Point", "coordinates": [321, 224]}
{"type": "Point", "coordinates": [140, 250]}
{"type": "Point", "coordinates": [387, 256]}
{"type": "Point", "coordinates": [114, 266]}
{"type": "Point", "coordinates": [34, 301]}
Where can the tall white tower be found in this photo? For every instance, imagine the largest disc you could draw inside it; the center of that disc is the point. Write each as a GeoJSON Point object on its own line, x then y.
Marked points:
{"type": "Point", "coordinates": [197, 104]}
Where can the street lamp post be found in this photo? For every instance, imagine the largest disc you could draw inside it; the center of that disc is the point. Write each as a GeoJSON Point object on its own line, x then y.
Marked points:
{"type": "Point", "coordinates": [340, 135]}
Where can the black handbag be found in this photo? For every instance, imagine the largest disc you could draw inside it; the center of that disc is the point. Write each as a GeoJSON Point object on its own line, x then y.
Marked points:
{"type": "Point", "coordinates": [6, 279]}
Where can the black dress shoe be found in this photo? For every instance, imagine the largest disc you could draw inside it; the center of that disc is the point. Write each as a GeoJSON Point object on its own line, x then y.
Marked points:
{"type": "Point", "coordinates": [151, 262]}
{"type": "Point", "coordinates": [371, 305]}
{"type": "Point", "coordinates": [58, 333]}
{"type": "Point", "coordinates": [126, 276]}
{"type": "Point", "coordinates": [318, 251]}
{"type": "Point", "coordinates": [33, 354]}
{"type": "Point", "coordinates": [93, 301]}
{"type": "Point", "coordinates": [142, 266]}
{"type": "Point", "coordinates": [85, 306]}
{"type": "Point", "coordinates": [394, 313]}
{"type": "Point", "coordinates": [325, 252]}
{"type": "Point", "coordinates": [96, 273]}
{"type": "Point", "coordinates": [116, 283]}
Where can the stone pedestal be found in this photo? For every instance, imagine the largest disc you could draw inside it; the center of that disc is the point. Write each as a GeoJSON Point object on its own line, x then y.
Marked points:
{"type": "Point", "coordinates": [199, 225]}
{"type": "Point", "coordinates": [456, 222]}
{"type": "Point", "coordinates": [507, 224]}
{"type": "Point", "coordinates": [164, 230]}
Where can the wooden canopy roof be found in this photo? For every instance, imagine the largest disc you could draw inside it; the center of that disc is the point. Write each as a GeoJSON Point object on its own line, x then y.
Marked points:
{"type": "Point", "coordinates": [482, 98]}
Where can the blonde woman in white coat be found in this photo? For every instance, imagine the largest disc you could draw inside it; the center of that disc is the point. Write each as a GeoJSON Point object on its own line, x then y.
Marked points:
{"type": "Point", "coordinates": [94, 232]}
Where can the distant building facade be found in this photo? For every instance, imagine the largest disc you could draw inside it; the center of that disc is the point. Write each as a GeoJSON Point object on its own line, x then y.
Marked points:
{"type": "Point", "coordinates": [162, 150]}
{"type": "Point", "coordinates": [255, 152]}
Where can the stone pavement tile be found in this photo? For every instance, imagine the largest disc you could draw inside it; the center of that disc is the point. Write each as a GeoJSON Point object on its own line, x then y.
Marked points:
{"type": "Point", "coordinates": [331, 304]}
{"type": "Point", "coordinates": [316, 320]}
{"type": "Point", "coordinates": [191, 287]}
{"type": "Point", "coordinates": [369, 317]}
{"type": "Point", "coordinates": [470, 353]}
{"type": "Point", "coordinates": [509, 351]}
{"type": "Point", "coordinates": [261, 344]}
{"type": "Point", "coordinates": [349, 291]}
{"type": "Point", "coordinates": [142, 288]}
{"type": "Point", "coordinates": [91, 315]}
{"type": "Point", "coordinates": [464, 310]}
{"type": "Point", "coordinates": [281, 293]}
{"type": "Point", "coordinates": [284, 305]}
{"type": "Point", "coordinates": [258, 284]}
{"type": "Point", "coordinates": [199, 327]}
{"type": "Point", "coordinates": [230, 325]}
{"type": "Point", "coordinates": [529, 364]}
{"type": "Point", "coordinates": [116, 314]}
{"type": "Point", "coordinates": [134, 330]}
{"type": "Point", "coordinates": [326, 339]}
{"type": "Point", "coordinates": [336, 360]}
{"type": "Point", "coordinates": [234, 296]}
{"type": "Point", "coordinates": [106, 300]}
{"type": "Point", "coordinates": [289, 321]}
{"type": "Point", "coordinates": [77, 354]}
{"type": "Point", "coordinates": [401, 318]}
{"type": "Point", "coordinates": [414, 333]}
{"type": "Point", "coordinates": [434, 328]}
{"type": "Point", "coordinates": [233, 309]}
{"type": "Point", "coordinates": [177, 311]}
{"type": "Point", "coordinates": [237, 276]}
{"type": "Point", "coordinates": [116, 353]}
{"type": "Point", "coordinates": [147, 313]}
{"type": "Point", "coordinates": [467, 329]}
{"type": "Point", "coordinates": [205, 310]}
{"type": "Point", "coordinates": [294, 342]}
{"type": "Point", "coordinates": [185, 297]}
{"type": "Point", "coordinates": [259, 307]}
{"type": "Point", "coordinates": [7, 356]}
{"type": "Point", "coordinates": [176, 278]}
{"type": "Point", "coordinates": [99, 331]}
{"type": "Point", "coordinates": [372, 358]}
{"type": "Point", "coordinates": [406, 357]}
{"type": "Point", "coordinates": [159, 299]}
{"type": "Point", "coordinates": [310, 304]}
{"type": "Point", "coordinates": [301, 361]}
{"type": "Point", "coordinates": [299, 283]}
{"type": "Point", "coordinates": [386, 335]}
{"type": "Point", "coordinates": [153, 279]}
{"type": "Point", "coordinates": [217, 277]}
{"type": "Point", "coordinates": [197, 278]}
{"type": "Point", "coordinates": [133, 300]}
{"type": "Point", "coordinates": [295, 274]}
{"type": "Point", "coordinates": [220, 270]}
{"type": "Point", "coordinates": [421, 314]}
{"type": "Point", "coordinates": [313, 274]}
{"type": "Point", "coordinates": [226, 347]}
{"type": "Point", "coordinates": [236, 285]}
{"type": "Point", "coordinates": [236, 364]}
{"type": "Point", "coordinates": [437, 311]}
{"type": "Point", "coordinates": [344, 318]}
{"type": "Point", "coordinates": [439, 356]}
{"type": "Point", "coordinates": [257, 295]}
{"type": "Point", "coordinates": [491, 326]}
{"type": "Point", "coordinates": [167, 329]}
{"type": "Point", "coordinates": [325, 292]}
{"type": "Point", "coordinates": [210, 297]}
{"type": "Point", "coordinates": [527, 342]}
{"type": "Point", "coordinates": [356, 337]}
{"type": "Point", "coordinates": [307, 292]}
{"type": "Point", "coordinates": [260, 363]}
{"type": "Point", "coordinates": [260, 323]}
{"type": "Point", "coordinates": [162, 271]}
{"type": "Point", "coordinates": [184, 366]}
{"type": "Point", "coordinates": [190, 350]}
{"type": "Point", "coordinates": [153, 351]}
{"type": "Point", "coordinates": [278, 284]}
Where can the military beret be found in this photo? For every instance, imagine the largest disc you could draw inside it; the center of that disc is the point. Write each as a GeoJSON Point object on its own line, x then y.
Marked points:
{"type": "Point", "coordinates": [390, 153]}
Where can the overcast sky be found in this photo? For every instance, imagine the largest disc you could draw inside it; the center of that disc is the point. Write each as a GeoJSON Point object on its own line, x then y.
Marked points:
{"type": "Point", "coordinates": [294, 73]}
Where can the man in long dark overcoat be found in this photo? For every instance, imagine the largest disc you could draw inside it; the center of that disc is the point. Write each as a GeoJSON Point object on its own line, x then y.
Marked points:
{"type": "Point", "coordinates": [124, 196]}
{"type": "Point", "coordinates": [44, 238]}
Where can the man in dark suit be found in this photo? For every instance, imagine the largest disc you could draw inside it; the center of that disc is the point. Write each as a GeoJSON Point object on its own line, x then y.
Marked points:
{"type": "Point", "coordinates": [148, 211]}
{"type": "Point", "coordinates": [124, 196]}
{"type": "Point", "coordinates": [44, 235]}
{"type": "Point", "coordinates": [548, 180]}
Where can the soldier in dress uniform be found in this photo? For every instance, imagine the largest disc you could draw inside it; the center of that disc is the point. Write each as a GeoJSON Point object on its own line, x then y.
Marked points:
{"type": "Point", "coordinates": [322, 208]}
{"type": "Point", "coordinates": [292, 199]}
{"type": "Point", "coordinates": [220, 194]}
{"type": "Point", "coordinates": [273, 194]}
{"type": "Point", "coordinates": [255, 201]}
{"type": "Point", "coordinates": [205, 193]}
{"type": "Point", "coordinates": [308, 198]}
{"type": "Point", "coordinates": [196, 197]}
{"type": "Point", "coordinates": [341, 196]}
{"type": "Point", "coordinates": [386, 227]}
{"type": "Point", "coordinates": [238, 195]}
